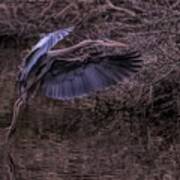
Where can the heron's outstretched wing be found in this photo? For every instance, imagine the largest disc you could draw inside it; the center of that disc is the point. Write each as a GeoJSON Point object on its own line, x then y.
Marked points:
{"type": "Point", "coordinates": [66, 80]}
{"type": "Point", "coordinates": [41, 48]}
{"type": "Point", "coordinates": [51, 39]}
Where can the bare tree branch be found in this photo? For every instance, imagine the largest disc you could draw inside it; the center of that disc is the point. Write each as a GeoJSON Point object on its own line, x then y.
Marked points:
{"type": "Point", "coordinates": [51, 3]}
{"type": "Point", "coordinates": [108, 43]}
{"type": "Point", "coordinates": [112, 6]}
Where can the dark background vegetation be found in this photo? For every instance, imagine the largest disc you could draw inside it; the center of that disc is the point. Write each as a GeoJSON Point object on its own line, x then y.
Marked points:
{"type": "Point", "coordinates": [128, 132]}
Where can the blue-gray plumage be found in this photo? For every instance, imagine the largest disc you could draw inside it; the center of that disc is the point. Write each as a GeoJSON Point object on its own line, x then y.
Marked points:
{"type": "Point", "coordinates": [61, 79]}
{"type": "Point", "coordinates": [78, 78]}
{"type": "Point", "coordinates": [41, 48]}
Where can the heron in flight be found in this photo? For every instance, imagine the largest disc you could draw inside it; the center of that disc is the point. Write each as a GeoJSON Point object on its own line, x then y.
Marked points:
{"type": "Point", "coordinates": [65, 79]}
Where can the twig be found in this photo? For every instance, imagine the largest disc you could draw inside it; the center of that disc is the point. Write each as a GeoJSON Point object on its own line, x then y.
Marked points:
{"type": "Point", "coordinates": [51, 3]}
{"type": "Point", "coordinates": [175, 4]}
{"type": "Point", "coordinates": [112, 6]}
{"type": "Point", "coordinates": [11, 167]}
{"type": "Point", "coordinates": [7, 23]}
{"type": "Point", "coordinates": [64, 10]}
{"type": "Point", "coordinates": [163, 76]}
{"type": "Point", "coordinates": [5, 8]}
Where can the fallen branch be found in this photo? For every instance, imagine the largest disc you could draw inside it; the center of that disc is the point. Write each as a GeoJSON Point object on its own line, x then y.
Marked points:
{"type": "Point", "coordinates": [6, 10]}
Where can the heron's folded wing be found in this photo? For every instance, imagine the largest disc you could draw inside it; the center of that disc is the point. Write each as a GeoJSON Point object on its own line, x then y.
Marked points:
{"type": "Point", "coordinates": [66, 80]}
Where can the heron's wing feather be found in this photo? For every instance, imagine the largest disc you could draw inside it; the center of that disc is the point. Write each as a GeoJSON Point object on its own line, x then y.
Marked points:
{"type": "Point", "coordinates": [66, 80]}
{"type": "Point", "coordinates": [51, 39]}
{"type": "Point", "coordinates": [42, 47]}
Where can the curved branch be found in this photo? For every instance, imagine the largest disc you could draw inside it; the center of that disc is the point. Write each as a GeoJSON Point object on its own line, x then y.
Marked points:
{"type": "Point", "coordinates": [16, 110]}
{"type": "Point", "coordinates": [50, 5]}
{"type": "Point", "coordinates": [108, 43]}
{"type": "Point", "coordinates": [112, 6]}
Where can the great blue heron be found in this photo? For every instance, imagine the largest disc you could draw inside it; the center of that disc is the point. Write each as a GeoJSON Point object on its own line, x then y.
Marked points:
{"type": "Point", "coordinates": [67, 79]}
